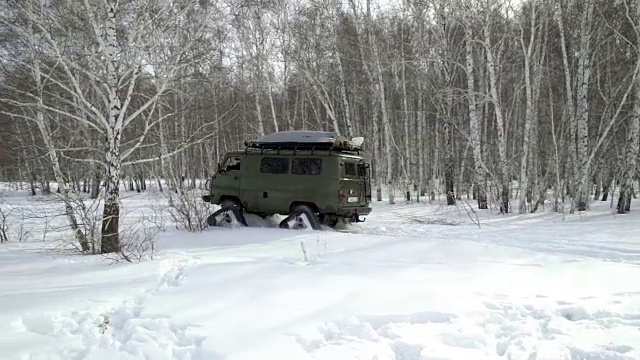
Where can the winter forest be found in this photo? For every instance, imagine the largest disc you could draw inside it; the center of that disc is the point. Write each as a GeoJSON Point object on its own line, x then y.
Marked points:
{"type": "Point", "coordinates": [513, 104]}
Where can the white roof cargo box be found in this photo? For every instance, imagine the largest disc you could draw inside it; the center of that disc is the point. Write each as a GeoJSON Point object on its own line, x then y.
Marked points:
{"type": "Point", "coordinates": [299, 136]}
{"type": "Point", "coordinates": [306, 139]}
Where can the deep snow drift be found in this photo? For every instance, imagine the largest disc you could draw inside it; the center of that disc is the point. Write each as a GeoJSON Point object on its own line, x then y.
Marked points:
{"type": "Point", "coordinates": [414, 282]}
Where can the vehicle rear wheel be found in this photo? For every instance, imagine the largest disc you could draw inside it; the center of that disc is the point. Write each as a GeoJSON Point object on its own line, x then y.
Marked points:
{"type": "Point", "coordinates": [301, 217]}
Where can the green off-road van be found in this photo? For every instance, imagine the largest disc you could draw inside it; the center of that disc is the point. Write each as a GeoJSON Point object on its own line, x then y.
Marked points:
{"type": "Point", "coordinates": [312, 177]}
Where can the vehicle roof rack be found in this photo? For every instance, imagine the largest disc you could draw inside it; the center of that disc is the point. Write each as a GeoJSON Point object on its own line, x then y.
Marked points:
{"type": "Point", "coordinates": [306, 140]}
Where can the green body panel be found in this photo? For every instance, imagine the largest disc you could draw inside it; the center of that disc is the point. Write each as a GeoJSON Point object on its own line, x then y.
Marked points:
{"type": "Point", "coordinates": [331, 182]}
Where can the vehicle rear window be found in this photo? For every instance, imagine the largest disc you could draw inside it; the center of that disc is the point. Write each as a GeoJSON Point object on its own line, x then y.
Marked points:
{"type": "Point", "coordinates": [350, 169]}
{"type": "Point", "coordinates": [274, 165]}
{"type": "Point", "coordinates": [302, 166]}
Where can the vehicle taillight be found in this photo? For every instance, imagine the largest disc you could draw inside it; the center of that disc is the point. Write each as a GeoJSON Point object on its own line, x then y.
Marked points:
{"type": "Point", "coordinates": [341, 196]}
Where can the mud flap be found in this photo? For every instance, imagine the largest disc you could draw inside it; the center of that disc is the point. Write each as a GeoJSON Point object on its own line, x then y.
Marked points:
{"type": "Point", "coordinates": [227, 216]}
{"type": "Point", "coordinates": [301, 218]}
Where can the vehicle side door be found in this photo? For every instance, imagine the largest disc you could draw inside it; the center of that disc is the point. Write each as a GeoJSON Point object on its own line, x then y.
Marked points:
{"type": "Point", "coordinates": [265, 189]}
{"type": "Point", "coordinates": [227, 181]}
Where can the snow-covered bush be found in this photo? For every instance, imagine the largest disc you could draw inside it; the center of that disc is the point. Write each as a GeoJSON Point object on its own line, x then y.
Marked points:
{"type": "Point", "coordinates": [138, 242]}
{"type": "Point", "coordinates": [12, 223]}
{"type": "Point", "coordinates": [4, 225]}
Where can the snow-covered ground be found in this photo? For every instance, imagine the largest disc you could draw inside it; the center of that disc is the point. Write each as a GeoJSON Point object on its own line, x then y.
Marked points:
{"type": "Point", "coordinates": [414, 282]}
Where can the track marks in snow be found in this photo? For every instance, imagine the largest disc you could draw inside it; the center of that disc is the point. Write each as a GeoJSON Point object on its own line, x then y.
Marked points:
{"type": "Point", "coordinates": [558, 331]}
{"type": "Point", "coordinates": [386, 337]}
{"type": "Point", "coordinates": [172, 271]}
{"type": "Point", "coordinates": [123, 331]}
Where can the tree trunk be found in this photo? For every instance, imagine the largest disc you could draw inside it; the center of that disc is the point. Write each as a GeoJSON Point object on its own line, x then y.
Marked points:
{"type": "Point", "coordinates": [372, 101]}
{"type": "Point", "coordinates": [272, 106]}
{"type": "Point", "coordinates": [569, 108]}
{"type": "Point", "coordinates": [523, 185]}
{"type": "Point", "coordinates": [500, 128]}
{"type": "Point", "coordinates": [633, 139]}
{"type": "Point", "coordinates": [95, 184]}
{"type": "Point", "coordinates": [582, 113]}
{"type": "Point", "coordinates": [385, 121]}
{"type": "Point", "coordinates": [63, 186]}
{"type": "Point", "coordinates": [448, 152]}
{"type": "Point", "coordinates": [111, 213]}
{"type": "Point", "coordinates": [259, 113]}
{"type": "Point", "coordinates": [341, 81]}
{"type": "Point", "coordinates": [474, 125]}
{"type": "Point", "coordinates": [408, 158]}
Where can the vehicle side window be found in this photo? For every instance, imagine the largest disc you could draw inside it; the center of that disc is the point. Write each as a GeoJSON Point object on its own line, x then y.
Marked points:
{"type": "Point", "coordinates": [350, 169]}
{"type": "Point", "coordinates": [231, 164]}
{"type": "Point", "coordinates": [306, 166]}
{"type": "Point", "coordinates": [274, 165]}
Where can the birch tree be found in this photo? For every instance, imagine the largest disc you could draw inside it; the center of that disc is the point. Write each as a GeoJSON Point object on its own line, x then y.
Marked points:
{"type": "Point", "coordinates": [383, 110]}
{"type": "Point", "coordinates": [569, 109]}
{"type": "Point", "coordinates": [582, 106]}
{"type": "Point", "coordinates": [442, 32]}
{"type": "Point", "coordinates": [533, 58]}
{"type": "Point", "coordinates": [27, 12]}
{"type": "Point", "coordinates": [494, 95]}
{"type": "Point", "coordinates": [361, 36]}
{"type": "Point", "coordinates": [334, 9]}
{"type": "Point", "coordinates": [437, 87]}
{"type": "Point", "coordinates": [114, 74]}
{"type": "Point", "coordinates": [630, 170]}
{"type": "Point", "coordinates": [474, 121]}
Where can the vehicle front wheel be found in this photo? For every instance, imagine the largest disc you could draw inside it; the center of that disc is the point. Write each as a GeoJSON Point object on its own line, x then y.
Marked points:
{"type": "Point", "coordinates": [230, 214]}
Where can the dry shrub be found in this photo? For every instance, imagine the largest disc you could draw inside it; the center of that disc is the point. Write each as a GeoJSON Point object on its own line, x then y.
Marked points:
{"type": "Point", "coordinates": [188, 210]}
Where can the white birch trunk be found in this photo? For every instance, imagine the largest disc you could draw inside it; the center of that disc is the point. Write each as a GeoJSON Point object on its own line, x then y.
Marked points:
{"type": "Point", "coordinates": [435, 188]}
{"type": "Point", "coordinates": [448, 157]}
{"type": "Point", "coordinates": [500, 126]}
{"type": "Point", "coordinates": [474, 125]}
{"type": "Point", "coordinates": [111, 214]}
{"type": "Point", "coordinates": [341, 80]}
{"type": "Point", "coordinates": [343, 96]}
{"type": "Point", "coordinates": [419, 145]}
{"type": "Point", "coordinates": [373, 92]}
{"type": "Point", "coordinates": [445, 115]}
{"type": "Point", "coordinates": [633, 137]}
{"type": "Point", "coordinates": [582, 114]}
{"type": "Point", "coordinates": [259, 113]}
{"type": "Point", "coordinates": [166, 162]}
{"type": "Point", "coordinates": [529, 115]}
{"type": "Point", "coordinates": [324, 98]}
{"type": "Point", "coordinates": [273, 110]}
{"type": "Point", "coordinates": [534, 53]}
{"type": "Point", "coordinates": [408, 158]}
{"type": "Point", "coordinates": [385, 120]}
{"type": "Point", "coordinates": [536, 186]}
{"type": "Point", "coordinates": [569, 108]}
{"type": "Point", "coordinates": [631, 156]}
{"type": "Point", "coordinates": [69, 196]}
